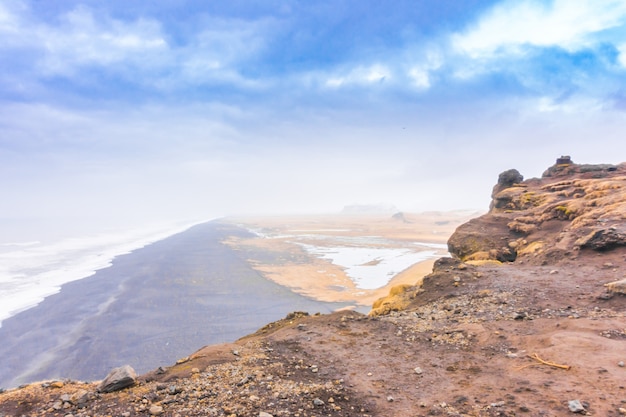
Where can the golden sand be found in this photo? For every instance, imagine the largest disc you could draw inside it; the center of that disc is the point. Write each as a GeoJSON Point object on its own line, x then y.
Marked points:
{"type": "Point", "coordinates": [290, 265]}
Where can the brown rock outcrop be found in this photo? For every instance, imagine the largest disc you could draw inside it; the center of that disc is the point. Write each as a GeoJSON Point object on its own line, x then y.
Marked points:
{"type": "Point", "coordinates": [571, 208]}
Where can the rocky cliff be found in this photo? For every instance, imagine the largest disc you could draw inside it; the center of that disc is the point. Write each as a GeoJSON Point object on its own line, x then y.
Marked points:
{"type": "Point", "coordinates": [572, 208]}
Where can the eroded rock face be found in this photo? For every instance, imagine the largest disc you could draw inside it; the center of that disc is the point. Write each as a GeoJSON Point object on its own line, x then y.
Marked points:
{"type": "Point", "coordinates": [571, 208]}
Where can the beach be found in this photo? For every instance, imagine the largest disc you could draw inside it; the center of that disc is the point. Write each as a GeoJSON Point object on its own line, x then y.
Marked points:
{"type": "Point", "coordinates": [148, 309]}
{"type": "Point", "coordinates": [346, 258]}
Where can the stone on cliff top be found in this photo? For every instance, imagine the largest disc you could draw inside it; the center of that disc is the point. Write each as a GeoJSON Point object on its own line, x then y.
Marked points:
{"type": "Point", "coordinates": [507, 179]}
{"type": "Point", "coordinates": [118, 378]}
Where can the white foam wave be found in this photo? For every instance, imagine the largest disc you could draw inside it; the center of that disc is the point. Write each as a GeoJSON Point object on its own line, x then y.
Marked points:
{"type": "Point", "coordinates": [31, 271]}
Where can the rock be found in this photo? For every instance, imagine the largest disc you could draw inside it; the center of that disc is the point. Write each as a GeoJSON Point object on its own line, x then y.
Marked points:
{"type": "Point", "coordinates": [622, 410]}
{"type": "Point", "coordinates": [620, 364]}
{"type": "Point", "coordinates": [618, 287]}
{"type": "Point", "coordinates": [317, 402]}
{"type": "Point", "coordinates": [118, 378]}
{"type": "Point", "coordinates": [418, 370]}
{"type": "Point", "coordinates": [264, 414]}
{"type": "Point", "coordinates": [390, 399]}
{"type": "Point", "coordinates": [575, 406]}
{"type": "Point", "coordinates": [80, 398]}
{"type": "Point", "coordinates": [603, 239]}
{"type": "Point", "coordinates": [57, 384]}
{"type": "Point", "coordinates": [155, 410]}
{"type": "Point", "coordinates": [507, 179]}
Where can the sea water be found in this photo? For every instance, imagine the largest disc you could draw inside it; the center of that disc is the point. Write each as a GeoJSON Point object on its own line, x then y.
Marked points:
{"type": "Point", "coordinates": [32, 269]}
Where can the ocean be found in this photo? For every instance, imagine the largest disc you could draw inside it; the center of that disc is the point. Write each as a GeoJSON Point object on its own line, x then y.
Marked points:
{"type": "Point", "coordinates": [36, 266]}
{"type": "Point", "coordinates": [76, 307]}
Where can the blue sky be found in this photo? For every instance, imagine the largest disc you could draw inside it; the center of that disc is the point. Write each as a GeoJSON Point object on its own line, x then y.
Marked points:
{"type": "Point", "coordinates": [170, 109]}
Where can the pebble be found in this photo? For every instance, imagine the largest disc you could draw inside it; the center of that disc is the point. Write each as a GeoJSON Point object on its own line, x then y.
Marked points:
{"type": "Point", "coordinates": [620, 364]}
{"type": "Point", "coordinates": [264, 414]}
{"type": "Point", "coordinates": [418, 370]}
{"type": "Point", "coordinates": [156, 410]}
{"type": "Point", "coordinates": [57, 384]}
{"type": "Point", "coordinates": [575, 406]}
{"type": "Point", "coordinates": [317, 402]}
{"type": "Point", "coordinates": [622, 410]}
{"type": "Point", "coordinates": [554, 271]}
{"type": "Point", "coordinates": [390, 398]}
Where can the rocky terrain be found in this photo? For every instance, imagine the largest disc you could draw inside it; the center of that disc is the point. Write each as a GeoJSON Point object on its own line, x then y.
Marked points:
{"type": "Point", "coordinates": [528, 318]}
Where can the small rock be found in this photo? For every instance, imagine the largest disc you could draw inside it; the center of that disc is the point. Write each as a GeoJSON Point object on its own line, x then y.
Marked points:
{"type": "Point", "coordinates": [390, 398]}
{"type": "Point", "coordinates": [498, 404]}
{"type": "Point", "coordinates": [126, 414]}
{"type": "Point", "coordinates": [418, 370]}
{"type": "Point", "coordinates": [80, 398]}
{"type": "Point", "coordinates": [57, 384]}
{"type": "Point", "coordinates": [331, 400]}
{"type": "Point", "coordinates": [195, 370]}
{"type": "Point", "coordinates": [118, 379]}
{"type": "Point", "coordinates": [554, 271]}
{"type": "Point", "coordinates": [254, 398]}
{"type": "Point", "coordinates": [317, 402]}
{"type": "Point", "coordinates": [575, 406]}
{"type": "Point", "coordinates": [57, 405]}
{"type": "Point", "coordinates": [264, 414]}
{"type": "Point", "coordinates": [620, 364]}
{"type": "Point", "coordinates": [156, 410]}
{"type": "Point", "coordinates": [236, 352]}
{"type": "Point", "coordinates": [182, 360]}
{"type": "Point", "coordinates": [622, 410]}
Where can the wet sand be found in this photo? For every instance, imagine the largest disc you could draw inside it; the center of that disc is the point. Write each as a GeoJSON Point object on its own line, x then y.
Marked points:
{"type": "Point", "coordinates": [284, 261]}
{"type": "Point", "coordinates": [150, 308]}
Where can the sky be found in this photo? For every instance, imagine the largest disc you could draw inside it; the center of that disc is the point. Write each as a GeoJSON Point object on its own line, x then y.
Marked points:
{"type": "Point", "coordinates": [165, 109]}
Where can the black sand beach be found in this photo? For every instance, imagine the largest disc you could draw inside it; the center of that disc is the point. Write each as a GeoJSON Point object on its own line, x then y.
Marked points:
{"type": "Point", "coordinates": [150, 308]}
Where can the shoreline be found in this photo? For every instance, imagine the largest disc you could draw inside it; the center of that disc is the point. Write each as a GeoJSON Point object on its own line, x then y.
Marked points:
{"type": "Point", "coordinates": [150, 308]}
{"type": "Point", "coordinates": [34, 270]}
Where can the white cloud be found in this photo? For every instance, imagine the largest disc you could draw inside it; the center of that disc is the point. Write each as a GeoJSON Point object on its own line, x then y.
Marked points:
{"type": "Point", "coordinates": [84, 40]}
{"type": "Point", "coordinates": [9, 16]}
{"type": "Point", "coordinates": [361, 75]}
{"type": "Point", "coordinates": [420, 75]}
{"type": "Point", "coordinates": [622, 54]}
{"type": "Point", "coordinates": [565, 23]}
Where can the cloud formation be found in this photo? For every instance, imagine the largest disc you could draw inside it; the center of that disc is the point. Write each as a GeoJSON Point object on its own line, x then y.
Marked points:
{"type": "Point", "coordinates": [282, 105]}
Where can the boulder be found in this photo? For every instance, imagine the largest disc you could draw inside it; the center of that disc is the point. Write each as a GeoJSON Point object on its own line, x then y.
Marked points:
{"type": "Point", "coordinates": [118, 378]}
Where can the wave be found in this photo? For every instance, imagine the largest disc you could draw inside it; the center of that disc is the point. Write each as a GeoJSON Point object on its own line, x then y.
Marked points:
{"type": "Point", "coordinates": [31, 271]}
